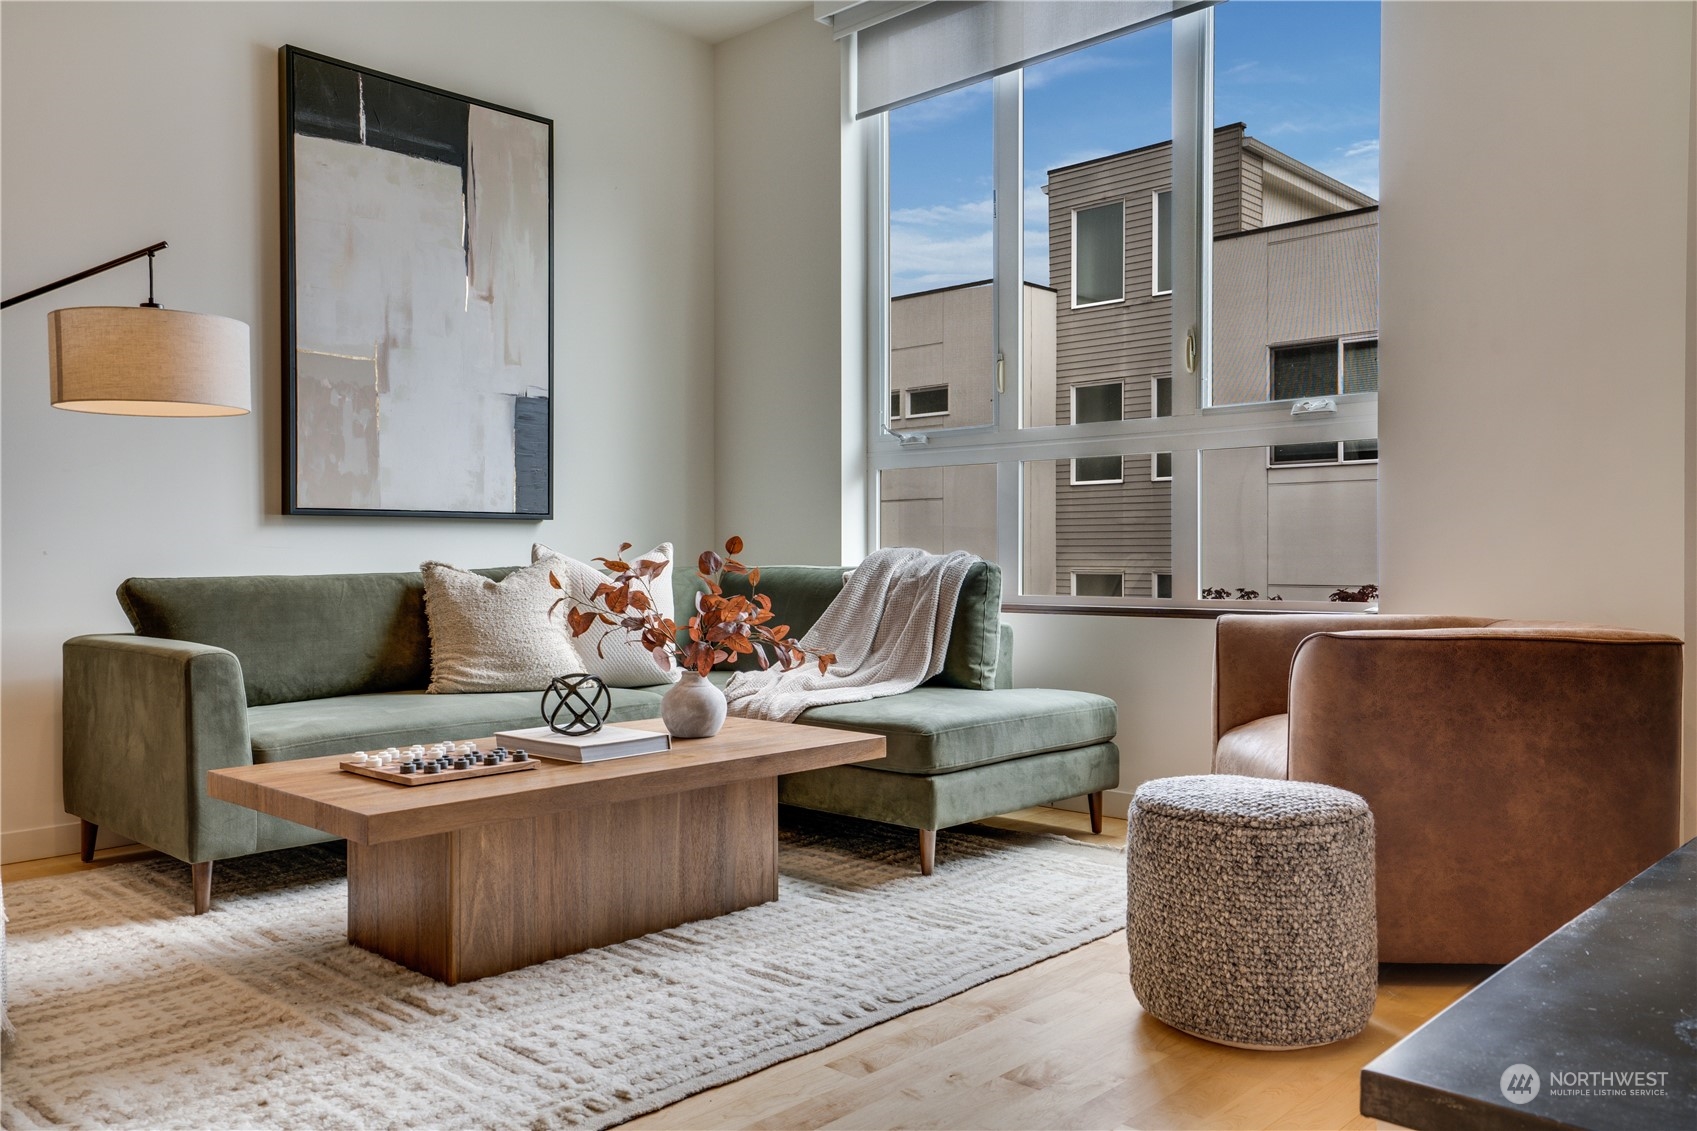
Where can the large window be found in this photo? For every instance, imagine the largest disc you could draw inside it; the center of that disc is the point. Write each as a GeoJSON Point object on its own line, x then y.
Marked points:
{"type": "Point", "coordinates": [1116, 358]}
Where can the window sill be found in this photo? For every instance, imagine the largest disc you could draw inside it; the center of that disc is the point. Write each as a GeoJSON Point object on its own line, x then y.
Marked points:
{"type": "Point", "coordinates": [1182, 612]}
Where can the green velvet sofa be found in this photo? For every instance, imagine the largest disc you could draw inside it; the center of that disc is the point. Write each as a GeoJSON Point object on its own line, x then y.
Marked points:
{"type": "Point", "coordinates": [229, 671]}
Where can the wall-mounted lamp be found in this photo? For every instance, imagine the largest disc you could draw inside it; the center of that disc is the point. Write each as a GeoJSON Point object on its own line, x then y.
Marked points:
{"type": "Point", "coordinates": [143, 360]}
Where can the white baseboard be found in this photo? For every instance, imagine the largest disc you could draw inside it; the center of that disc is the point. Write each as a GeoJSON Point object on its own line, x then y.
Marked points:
{"type": "Point", "coordinates": [1115, 803]}
{"type": "Point", "coordinates": [50, 840]}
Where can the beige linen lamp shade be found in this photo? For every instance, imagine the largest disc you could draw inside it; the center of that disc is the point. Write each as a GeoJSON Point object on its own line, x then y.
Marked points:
{"type": "Point", "coordinates": [146, 361]}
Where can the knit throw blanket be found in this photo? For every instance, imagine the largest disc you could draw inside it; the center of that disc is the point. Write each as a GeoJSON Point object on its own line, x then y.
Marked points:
{"type": "Point", "coordinates": [889, 628]}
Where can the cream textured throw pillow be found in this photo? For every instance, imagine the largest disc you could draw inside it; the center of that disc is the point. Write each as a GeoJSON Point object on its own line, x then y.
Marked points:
{"type": "Point", "coordinates": [494, 635]}
{"type": "Point", "coordinates": [617, 658]}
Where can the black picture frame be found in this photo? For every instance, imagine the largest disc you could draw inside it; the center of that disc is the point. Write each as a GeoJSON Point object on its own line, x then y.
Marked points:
{"type": "Point", "coordinates": [410, 124]}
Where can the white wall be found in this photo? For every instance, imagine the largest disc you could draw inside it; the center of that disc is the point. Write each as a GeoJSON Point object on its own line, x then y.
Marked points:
{"type": "Point", "coordinates": [1158, 670]}
{"type": "Point", "coordinates": [777, 285]}
{"type": "Point", "coordinates": [129, 123]}
{"type": "Point", "coordinates": [1532, 342]}
{"type": "Point", "coordinates": [1690, 783]}
{"type": "Point", "coordinates": [1535, 256]}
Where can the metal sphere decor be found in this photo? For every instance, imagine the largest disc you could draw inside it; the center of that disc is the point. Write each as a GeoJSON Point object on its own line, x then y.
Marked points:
{"type": "Point", "coordinates": [581, 698]}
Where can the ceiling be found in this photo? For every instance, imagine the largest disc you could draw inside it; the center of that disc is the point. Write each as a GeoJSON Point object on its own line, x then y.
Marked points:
{"type": "Point", "coordinates": [715, 21]}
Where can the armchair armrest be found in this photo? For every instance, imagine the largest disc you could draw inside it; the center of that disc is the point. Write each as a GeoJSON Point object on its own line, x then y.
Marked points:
{"type": "Point", "coordinates": [1517, 773]}
{"type": "Point", "coordinates": [144, 720]}
{"type": "Point", "coordinates": [1253, 652]}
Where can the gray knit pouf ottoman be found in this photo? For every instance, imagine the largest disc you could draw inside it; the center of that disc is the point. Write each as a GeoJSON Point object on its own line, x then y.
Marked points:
{"type": "Point", "coordinates": [1250, 910]}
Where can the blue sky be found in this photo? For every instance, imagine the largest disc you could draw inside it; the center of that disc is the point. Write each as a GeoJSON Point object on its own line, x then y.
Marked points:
{"type": "Point", "coordinates": [1303, 74]}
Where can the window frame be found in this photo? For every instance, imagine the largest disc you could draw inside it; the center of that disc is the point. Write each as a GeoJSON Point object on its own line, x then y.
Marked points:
{"type": "Point", "coordinates": [1155, 475]}
{"type": "Point", "coordinates": [1072, 408]}
{"type": "Point", "coordinates": [1072, 583]}
{"type": "Point", "coordinates": [1074, 481]}
{"type": "Point", "coordinates": [1338, 343]}
{"type": "Point", "coordinates": [907, 402]}
{"type": "Point", "coordinates": [1344, 342]}
{"type": "Point", "coordinates": [1155, 396]}
{"type": "Point", "coordinates": [1072, 251]}
{"type": "Point", "coordinates": [1155, 290]}
{"type": "Point", "coordinates": [1337, 459]}
{"type": "Point", "coordinates": [1196, 425]}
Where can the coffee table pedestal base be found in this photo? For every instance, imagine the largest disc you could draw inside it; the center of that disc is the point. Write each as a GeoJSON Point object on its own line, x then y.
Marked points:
{"type": "Point", "coordinates": [491, 898]}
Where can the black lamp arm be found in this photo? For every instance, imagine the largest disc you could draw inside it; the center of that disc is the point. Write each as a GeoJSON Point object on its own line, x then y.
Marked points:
{"type": "Point", "coordinates": [80, 275]}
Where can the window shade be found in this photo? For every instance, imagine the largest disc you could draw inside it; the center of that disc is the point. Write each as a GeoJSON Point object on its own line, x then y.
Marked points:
{"type": "Point", "coordinates": [913, 54]}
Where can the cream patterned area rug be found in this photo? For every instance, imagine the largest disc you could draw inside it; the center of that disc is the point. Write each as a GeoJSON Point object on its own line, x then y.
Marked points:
{"type": "Point", "coordinates": [132, 1013]}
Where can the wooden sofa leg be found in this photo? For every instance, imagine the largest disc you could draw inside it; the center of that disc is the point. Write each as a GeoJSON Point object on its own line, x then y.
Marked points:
{"type": "Point", "coordinates": [90, 830]}
{"type": "Point", "coordinates": [1096, 812]}
{"type": "Point", "coordinates": [202, 875]}
{"type": "Point", "coordinates": [927, 851]}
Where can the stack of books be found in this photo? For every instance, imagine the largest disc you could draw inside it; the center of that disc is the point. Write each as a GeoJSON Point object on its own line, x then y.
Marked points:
{"type": "Point", "coordinates": [608, 742]}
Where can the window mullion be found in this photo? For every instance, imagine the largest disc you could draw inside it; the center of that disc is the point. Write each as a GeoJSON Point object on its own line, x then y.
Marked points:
{"type": "Point", "coordinates": [1193, 143]}
{"type": "Point", "coordinates": [1356, 418]}
{"type": "Point", "coordinates": [1187, 524]}
{"type": "Point", "coordinates": [875, 156]}
{"type": "Point", "coordinates": [1008, 157]}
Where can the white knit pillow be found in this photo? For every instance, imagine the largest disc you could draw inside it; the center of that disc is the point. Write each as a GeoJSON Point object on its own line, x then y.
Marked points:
{"type": "Point", "coordinates": [493, 635]}
{"type": "Point", "coordinates": [618, 658]}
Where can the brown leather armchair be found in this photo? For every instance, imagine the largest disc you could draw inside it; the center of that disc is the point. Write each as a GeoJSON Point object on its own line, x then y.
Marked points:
{"type": "Point", "coordinates": [1517, 771]}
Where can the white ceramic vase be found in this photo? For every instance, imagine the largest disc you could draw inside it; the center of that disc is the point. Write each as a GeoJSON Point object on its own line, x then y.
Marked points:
{"type": "Point", "coordinates": [693, 708]}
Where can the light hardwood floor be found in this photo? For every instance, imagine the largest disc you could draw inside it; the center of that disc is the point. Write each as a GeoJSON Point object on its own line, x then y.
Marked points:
{"type": "Point", "coordinates": [1062, 1044]}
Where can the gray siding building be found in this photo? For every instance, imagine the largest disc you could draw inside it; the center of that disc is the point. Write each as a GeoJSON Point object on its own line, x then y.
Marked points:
{"type": "Point", "coordinates": [1295, 315]}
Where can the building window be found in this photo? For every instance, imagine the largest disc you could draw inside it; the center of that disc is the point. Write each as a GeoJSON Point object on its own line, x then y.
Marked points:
{"type": "Point", "coordinates": [895, 406]}
{"type": "Point", "coordinates": [1305, 371]}
{"type": "Point", "coordinates": [1161, 467]}
{"type": "Point", "coordinates": [1162, 274]}
{"type": "Point", "coordinates": [930, 401]}
{"type": "Point", "coordinates": [1090, 470]}
{"type": "Point", "coordinates": [1160, 396]}
{"type": "Point", "coordinates": [1161, 584]}
{"type": "Point", "coordinates": [1092, 404]}
{"type": "Point", "coordinates": [1361, 366]}
{"type": "Point", "coordinates": [1359, 450]}
{"type": "Point", "coordinates": [1086, 584]}
{"type": "Point", "coordinates": [1345, 451]}
{"type": "Point", "coordinates": [1325, 369]}
{"type": "Point", "coordinates": [1098, 254]}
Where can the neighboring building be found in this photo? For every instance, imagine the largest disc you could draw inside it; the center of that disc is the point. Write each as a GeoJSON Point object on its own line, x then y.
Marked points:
{"type": "Point", "coordinates": [1295, 315]}
{"type": "Point", "coordinates": [1295, 272]}
{"type": "Point", "coordinates": [942, 368]}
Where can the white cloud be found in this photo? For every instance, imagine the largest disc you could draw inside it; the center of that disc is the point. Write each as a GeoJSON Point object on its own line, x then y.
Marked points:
{"type": "Point", "coordinates": [940, 245]}
{"type": "Point", "coordinates": [921, 262]}
{"type": "Point", "coordinates": [1252, 72]}
{"type": "Point", "coordinates": [1077, 63]}
{"type": "Point", "coordinates": [978, 212]}
{"type": "Point", "coordinates": [1356, 164]}
{"type": "Point", "coordinates": [943, 110]}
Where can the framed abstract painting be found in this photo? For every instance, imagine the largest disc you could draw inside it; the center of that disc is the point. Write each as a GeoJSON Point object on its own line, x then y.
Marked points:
{"type": "Point", "coordinates": [418, 266]}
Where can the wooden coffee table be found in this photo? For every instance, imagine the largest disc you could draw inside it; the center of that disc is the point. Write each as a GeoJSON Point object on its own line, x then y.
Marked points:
{"type": "Point", "coordinates": [464, 879]}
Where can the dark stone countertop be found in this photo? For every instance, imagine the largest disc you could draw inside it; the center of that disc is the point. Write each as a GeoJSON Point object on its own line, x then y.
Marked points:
{"type": "Point", "coordinates": [1614, 991]}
